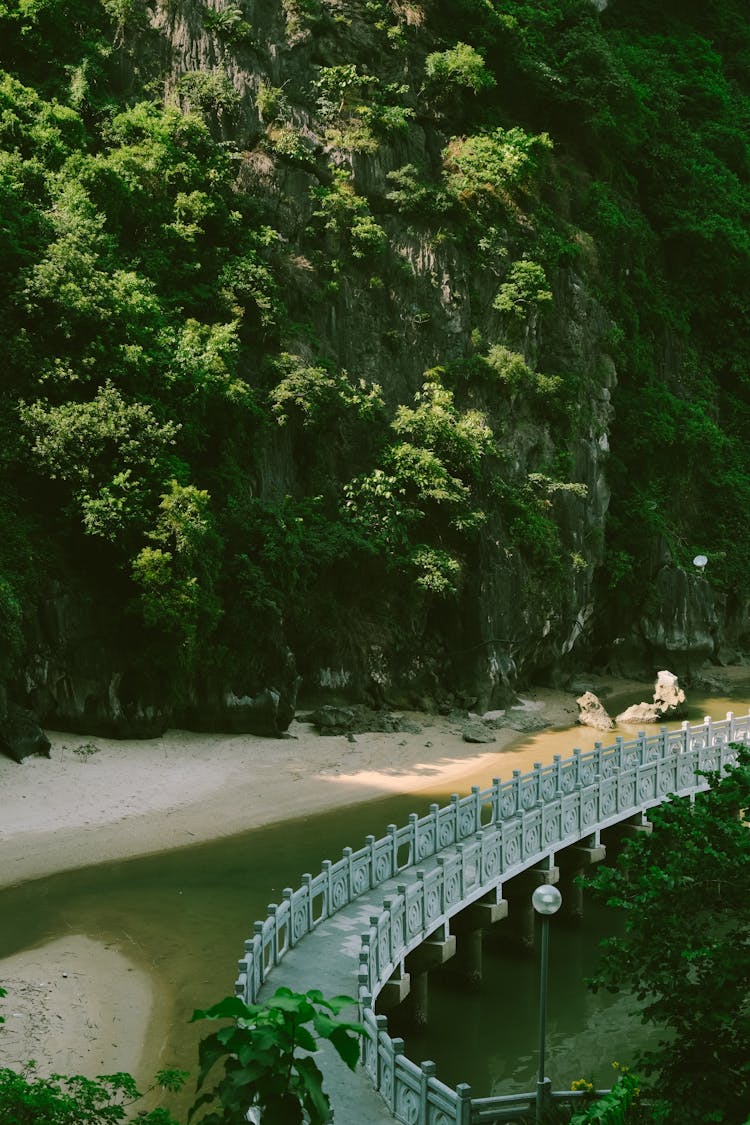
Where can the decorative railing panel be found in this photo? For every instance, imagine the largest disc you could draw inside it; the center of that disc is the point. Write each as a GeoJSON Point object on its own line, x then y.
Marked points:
{"type": "Point", "coordinates": [487, 837]}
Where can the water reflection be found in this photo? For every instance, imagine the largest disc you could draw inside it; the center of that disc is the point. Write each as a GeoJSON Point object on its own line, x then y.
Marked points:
{"type": "Point", "coordinates": [496, 1051]}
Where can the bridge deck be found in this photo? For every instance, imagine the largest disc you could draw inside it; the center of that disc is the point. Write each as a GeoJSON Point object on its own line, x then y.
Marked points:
{"type": "Point", "coordinates": [328, 959]}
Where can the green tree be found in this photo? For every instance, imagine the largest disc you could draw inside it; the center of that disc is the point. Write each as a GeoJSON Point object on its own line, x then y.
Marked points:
{"type": "Point", "coordinates": [26, 1098]}
{"type": "Point", "coordinates": [259, 1051]}
{"type": "Point", "coordinates": [684, 892]}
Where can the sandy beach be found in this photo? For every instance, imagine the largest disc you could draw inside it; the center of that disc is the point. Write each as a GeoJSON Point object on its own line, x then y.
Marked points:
{"type": "Point", "coordinates": [77, 1005]}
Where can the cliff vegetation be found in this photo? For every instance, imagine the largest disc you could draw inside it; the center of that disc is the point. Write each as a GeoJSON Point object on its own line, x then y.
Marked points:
{"type": "Point", "coordinates": [396, 349]}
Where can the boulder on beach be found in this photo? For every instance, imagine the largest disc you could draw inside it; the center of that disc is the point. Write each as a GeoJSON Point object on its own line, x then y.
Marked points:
{"type": "Point", "coordinates": [592, 712]}
{"type": "Point", "coordinates": [669, 703]}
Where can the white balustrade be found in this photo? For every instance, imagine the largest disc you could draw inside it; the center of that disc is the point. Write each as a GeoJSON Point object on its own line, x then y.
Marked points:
{"type": "Point", "coordinates": [477, 842]}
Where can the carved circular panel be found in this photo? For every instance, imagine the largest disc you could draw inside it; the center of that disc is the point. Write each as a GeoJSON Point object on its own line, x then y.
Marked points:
{"type": "Point", "coordinates": [386, 1079]}
{"type": "Point", "coordinates": [466, 823]}
{"type": "Point", "coordinates": [361, 882]}
{"type": "Point", "coordinates": [552, 829]}
{"type": "Point", "coordinates": [507, 805]}
{"type": "Point", "coordinates": [339, 895]}
{"type": "Point", "coordinates": [299, 922]}
{"type": "Point", "coordinates": [645, 788]}
{"type": "Point", "coordinates": [627, 794]}
{"type": "Point", "coordinates": [491, 865]}
{"type": "Point", "coordinates": [446, 835]}
{"type": "Point", "coordinates": [407, 1106]}
{"type": "Point", "coordinates": [382, 869]}
{"type": "Point", "coordinates": [433, 904]}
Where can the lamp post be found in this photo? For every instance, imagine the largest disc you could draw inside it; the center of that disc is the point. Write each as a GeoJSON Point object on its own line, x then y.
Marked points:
{"type": "Point", "coordinates": [546, 900]}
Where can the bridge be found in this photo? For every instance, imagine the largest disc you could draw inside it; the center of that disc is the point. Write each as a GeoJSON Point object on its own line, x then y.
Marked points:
{"type": "Point", "coordinates": [373, 923]}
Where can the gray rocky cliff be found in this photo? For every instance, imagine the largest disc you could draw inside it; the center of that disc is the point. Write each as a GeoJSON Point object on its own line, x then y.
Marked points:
{"type": "Point", "coordinates": [530, 602]}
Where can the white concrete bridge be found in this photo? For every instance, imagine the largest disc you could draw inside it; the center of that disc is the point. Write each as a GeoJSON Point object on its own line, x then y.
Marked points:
{"type": "Point", "coordinates": [373, 923]}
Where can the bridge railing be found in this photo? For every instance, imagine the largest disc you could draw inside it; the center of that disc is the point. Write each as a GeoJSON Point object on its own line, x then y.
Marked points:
{"type": "Point", "coordinates": [526, 815]}
{"type": "Point", "coordinates": [634, 777]}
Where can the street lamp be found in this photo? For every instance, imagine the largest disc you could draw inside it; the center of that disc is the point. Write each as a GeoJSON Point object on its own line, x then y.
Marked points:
{"type": "Point", "coordinates": [546, 900]}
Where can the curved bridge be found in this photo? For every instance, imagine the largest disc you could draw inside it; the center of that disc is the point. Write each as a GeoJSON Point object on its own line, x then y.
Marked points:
{"type": "Point", "coordinates": [351, 928]}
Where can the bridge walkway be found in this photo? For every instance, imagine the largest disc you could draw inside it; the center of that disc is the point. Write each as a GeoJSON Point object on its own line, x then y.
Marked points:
{"type": "Point", "coordinates": [328, 959]}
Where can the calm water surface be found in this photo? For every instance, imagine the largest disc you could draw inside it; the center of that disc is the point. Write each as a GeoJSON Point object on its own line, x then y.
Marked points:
{"type": "Point", "coordinates": [185, 914]}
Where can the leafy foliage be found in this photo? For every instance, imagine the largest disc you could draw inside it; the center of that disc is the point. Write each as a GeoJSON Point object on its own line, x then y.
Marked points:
{"type": "Point", "coordinates": [685, 895]}
{"type": "Point", "coordinates": [620, 1106]}
{"type": "Point", "coordinates": [459, 68]}
{"type": "Point", "coordinates": [262, 1066]}
{"type": "Point", "coordinates": [28, 1099]}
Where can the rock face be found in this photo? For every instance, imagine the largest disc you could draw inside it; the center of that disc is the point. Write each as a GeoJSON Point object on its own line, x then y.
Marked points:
{"type": "Point", "coordinates": [669, 703]}
{"type": "Point", "coordinates": [21, 736]}
{"type": "Point", "coordinates": [592, 713]}
{"type": "Point", "coordinates": [419, 307]}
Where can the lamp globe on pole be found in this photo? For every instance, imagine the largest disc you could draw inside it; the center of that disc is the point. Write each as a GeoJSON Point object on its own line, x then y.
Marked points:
{"type": "Point", "coordinates": [546, 900]}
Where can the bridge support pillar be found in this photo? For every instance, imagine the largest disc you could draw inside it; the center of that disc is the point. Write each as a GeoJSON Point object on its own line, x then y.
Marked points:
{"type": "Point", "coordinates": [467, 964]}
{"type": "Point", "coordinates": [394, 991]}
{"type": "Point", "coordinates": [521, 930]}
{"type": "Point", "coordinates": [574, 862]}
{"type": "Point", "coordinates": [438, 949]}
{"type": "Point", "coordinates": [469, 926]}
{"type": "Point", "coordinates": [636, 825]}
{"type": "Point", "coordinates": [417, 1003]}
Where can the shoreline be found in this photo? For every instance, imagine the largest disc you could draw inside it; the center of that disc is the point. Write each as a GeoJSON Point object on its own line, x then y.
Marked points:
{"type": "Point", "coordinates": [135, 797]}
{"type": "Point", "coordinates": [90, 1007]}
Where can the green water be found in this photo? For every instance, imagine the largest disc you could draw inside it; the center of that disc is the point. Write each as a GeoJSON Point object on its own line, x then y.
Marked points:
{"type": "Point", "coordinates": [185, 914]}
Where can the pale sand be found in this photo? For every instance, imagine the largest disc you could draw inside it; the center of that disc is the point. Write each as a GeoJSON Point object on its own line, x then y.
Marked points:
{"type": "Point", "coordinates": [135, 797]}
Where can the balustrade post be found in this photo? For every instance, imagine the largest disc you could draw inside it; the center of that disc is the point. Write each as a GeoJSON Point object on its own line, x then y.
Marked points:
{"type": "Point", "coordinates": [258, 931]}
{"type": "Point", "coordinates": [685, 731]}
{"type": "Point", "coordinates": [381, 1023]}
{"type": "Point", "coordinates": [475, 791]}
{"type": "Point", "coordinates": [517, 805]}
{"type": "Point", "coordinates": [454, 810]}
{"type": "Point", "coordinates": [370, 841]}
{"type": "Point", "coordinates": [730, 726]}
{"type": "Point", "coordinates": [347, 855]}
{"type": "Point", "coordinates": [365, 961]}
{"type": "Point", "coordinates": [392, 830]}
{"type": "Point", "coordinates": [413, 834]}
{"type": "Point", "coordinates": [461, 853]}
{"type": "Point", "coordinates": [307, 884]}
{"type": "Point", "coordinates": [619, 742]}
{"type": "Point", "coordinates": [558, 775]}
{"type": "Point", "coordinates": [598, 759]}
{"type": "Point", "coordinates": [435, 814]}
{"type": "Point", "coordinates": [496, 815]}
{"type": "Point", "coordinates": [286, 894]}
{"type": "Point", "coordinates": [578, 767]}
{"type": "Point", "coordinates": [326, 866]}
{"type": "Point", "coordinates": [708, 731]}
{"type": "Point", "coordinates": [398, 1049]}
{"type": "Point", "coordinates": [663, 741]}
{"type": "Point", "coordinates": [441, 883]}
{"type": "Point", "coordinates": [428, 1070]}
{"type": "Point", "coordinates": [463, 1104]}
{"type": "Point", "coordinates": [538, 782]}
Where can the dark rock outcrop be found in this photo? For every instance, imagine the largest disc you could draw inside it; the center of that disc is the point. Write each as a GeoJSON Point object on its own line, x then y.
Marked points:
{"type": "Point", "coordinates": [20, 734]}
